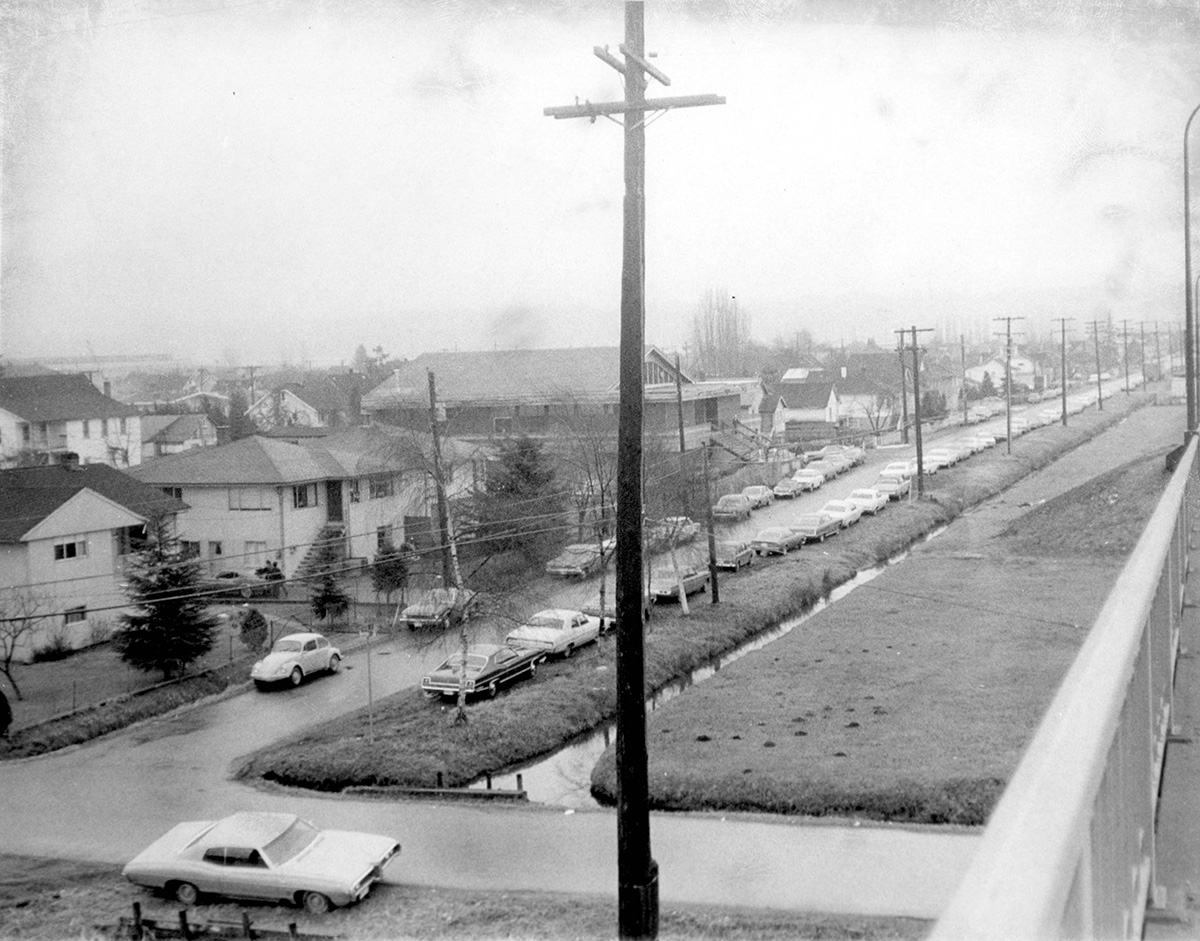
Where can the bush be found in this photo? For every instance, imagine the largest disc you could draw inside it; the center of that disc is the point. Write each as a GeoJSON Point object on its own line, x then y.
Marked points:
{"type": "Point", "coordinates": [56, 648]}
{"type": "Point", "coordinates": [254, 629]}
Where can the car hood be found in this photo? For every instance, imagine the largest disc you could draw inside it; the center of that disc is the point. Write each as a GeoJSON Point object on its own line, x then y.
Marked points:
{"type": "Point", "coordinates": [351, 855]}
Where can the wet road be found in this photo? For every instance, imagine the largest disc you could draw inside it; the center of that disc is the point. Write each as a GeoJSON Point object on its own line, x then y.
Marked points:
{"type": "Point", "coordinates": [105, 800]}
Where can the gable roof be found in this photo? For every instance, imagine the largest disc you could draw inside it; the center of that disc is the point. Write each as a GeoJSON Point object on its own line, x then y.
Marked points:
{"type": "Point", "coordinates": [505, 376]}
{"type": "Point", "coordinates": [806, 394]}
{"type": "Point", "coordinates": [175, 429]}
{"type": "Point", "coordinates": [253, 460]}
{"type": "Point", "coordinates": [30, 494]}
{"type": "Point", "coordinates": [58, 397]}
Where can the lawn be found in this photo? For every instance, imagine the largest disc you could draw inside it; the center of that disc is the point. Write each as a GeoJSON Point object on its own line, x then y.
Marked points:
{"type": "Point", "coordinates": [878, 697]}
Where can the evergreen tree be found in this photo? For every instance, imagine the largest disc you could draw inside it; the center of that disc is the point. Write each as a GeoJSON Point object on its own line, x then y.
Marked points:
{"type": "Point", "coordinates": [389, 571]}
{"type": "Point", "coordinates": [254, 629]}
{"type": "Point", "coordinates": [171, 626]}
{"type": "Point", "coordinates": [518, 506]}
{"type": "Point", "coordinates": [240, 424]}
{"type": "Point", "coordinates": [326, 596]}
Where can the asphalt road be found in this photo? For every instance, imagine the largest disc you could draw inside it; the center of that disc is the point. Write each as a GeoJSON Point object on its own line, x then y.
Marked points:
{"type": "Point", "coordinates": [105, 800]}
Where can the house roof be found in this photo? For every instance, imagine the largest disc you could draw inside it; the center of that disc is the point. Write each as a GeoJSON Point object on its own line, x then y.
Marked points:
{"type": "Point", "coordinates": [324, 396]}
{"type": "Point", "coordinates": [806, 394]}
{"type": "Point", "coordinates": [175, 429]}
{"type": "Point", "coordinates": [58, 397]}
{"type": "Point", "coordinates": [499, 376]}
{"type": "Point", "coordinates": [30, 494]}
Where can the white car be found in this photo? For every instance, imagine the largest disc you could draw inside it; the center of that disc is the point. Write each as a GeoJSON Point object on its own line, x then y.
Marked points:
{"type": "Point", "coordinates": [937, 458]}
{"type": "Point", "coordinates": [901, 469]}
{"type": "Point", "coordinates": [556, 631]}
{"type": "Point", "coordinates": [808, 479]}
{"type": "Point", "coordinates": [294, 657]}
{"type": "Point", "coordinates": [984, 440]}
{"type": "Point", "coordinates": [868, 499]}
{"type": "Point", "coordinates": [845, 512]}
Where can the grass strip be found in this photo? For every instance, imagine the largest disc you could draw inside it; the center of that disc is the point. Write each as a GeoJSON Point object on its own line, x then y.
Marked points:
{"type": "Point", "coordinates": [412, 739]}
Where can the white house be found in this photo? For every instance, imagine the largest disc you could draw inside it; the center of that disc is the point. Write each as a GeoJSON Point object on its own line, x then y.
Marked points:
{"type": "Point", "coordinates": [64, 419]}
{"type": "Point", "coordinates": [806, 404]}
{"type": "Point", "coordinates": [261, 498]}
{"type": "Point", "coordinates": [170, 434]}
{"type": "Point", "coordinates": [65, 534]}
{"type": "Point", "coordinates": [1024, 372]}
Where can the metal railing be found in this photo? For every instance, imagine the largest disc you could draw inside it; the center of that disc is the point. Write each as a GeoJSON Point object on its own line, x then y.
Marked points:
{"type": "Point", "coordinates": [1069, 851]}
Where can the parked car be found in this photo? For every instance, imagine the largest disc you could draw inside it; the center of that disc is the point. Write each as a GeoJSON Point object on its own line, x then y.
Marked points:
{"type": "Point", "coordinates": [853, 451]}
{"type": "Point", "coordinates": [808, 478]}
{"type": "Point", "coordinates": [442, 608]}
{"type": "Point", "coordinates": [733, 555]}
{"type": "Point", "coordinates": [935, 459]}
{"type": "Point", "coordinates": [895, 487]}
{"type": "Point", "coordinates": [826, 469]}
{"type": "Point", "coordinates": [664, 583]}
{"type": "Point", "coordinates": [670, 530]}
{"type": "Point", "coordinates": [556, 631]}
{"type": "Point", "coordinates": [777, 540]}
{"type": "Point", "coordinates": [788, 488]}
{"type": "Point", "coordinates": [758, 495]}
{"type": "Point", "coordinates": [841, 462]}
{"type": "Point", "coordinates": [235, 584]}
{"type": "Point", "coordinates": [732, 507]}
{"type": "Point", "coordinates": [294, 657]}
{"type": "Point", "coordinates": [815, 527]}
{"type": "Point", "coordinates": [984, 440]}
{"type": "Point", "coordinates": [488, 667]}
{"type": "Point", "coordinates": [868, 499]}
{"type": "Point", "coordinates": [905, 469]}
{"type": "Point", "coordinates": [582, 559]}
{"type": "Point", "coordinates": [275, 857]}
{"type": "Point", "coordinates": [845, 512]}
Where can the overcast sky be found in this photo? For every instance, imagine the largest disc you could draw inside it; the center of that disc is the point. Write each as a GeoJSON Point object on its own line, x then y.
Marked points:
{"type": "Point", "coordinates": [281, 181]}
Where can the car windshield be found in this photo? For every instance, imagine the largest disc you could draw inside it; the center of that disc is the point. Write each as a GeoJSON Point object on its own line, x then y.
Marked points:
{"type": "Point", "coordinates": [290, 842]}
{"type": "Point", "coordinates": [863, 494]}
{"type": "Point", "coordinates": [809, 520]}
{"type": "Point", "coordinates": [287, 645]}
{"type": "Point", "coordinates": [836, 506]}
{"type": "Point", "coordinates": [772, 533]}
{"type": "Point", "coordinates": [729, 500]}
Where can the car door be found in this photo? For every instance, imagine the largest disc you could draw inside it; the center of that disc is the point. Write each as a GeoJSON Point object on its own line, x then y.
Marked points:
{"type": "Point", "coordinates": [246, 875]}
{"type": "Point", "coordinates": [309, 655]}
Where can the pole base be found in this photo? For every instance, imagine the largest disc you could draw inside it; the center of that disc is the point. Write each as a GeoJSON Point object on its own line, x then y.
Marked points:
{"type": "Point", "coordinates": [637, 907]}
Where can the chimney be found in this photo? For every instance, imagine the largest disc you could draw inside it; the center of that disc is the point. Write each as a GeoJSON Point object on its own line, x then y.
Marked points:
{"type": "Point", "coordinates": [108, 388]}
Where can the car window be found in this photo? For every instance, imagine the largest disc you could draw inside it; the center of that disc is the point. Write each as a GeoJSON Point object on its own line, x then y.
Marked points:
{"type": "Point", "coordinates": [287, 646]}
{"type": "Point", "coordinates": [215, 855]}
{"type": "Point", "coordinates": [290, 842]}
{"type": "Point", "coordinates": [322, 642]}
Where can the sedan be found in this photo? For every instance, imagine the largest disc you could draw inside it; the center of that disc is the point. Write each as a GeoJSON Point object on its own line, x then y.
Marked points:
{"type": "Point", "coordinates": [894, 487]}
{"type": "Point", "coordinates": [732, 506]}
{"type": "Point", "coordinates": [581, 559]}
{"type": "Point", "coordinates": [808, 479]}
{"type": "Point", "coordinates": [777, 540]}
{"type": "Point", "coordinates": [556, 631]}
{"type": "Point", "coordinates": [488, 667]}
{"type": "Point", "coordinates": [234, 584]}
{"type": "Point", "coordinates": [664, 583]}
{"type": "Point", "coordinates": [868, 499]}
{"type": "Point", "coordinates": [758, 495]}
{"type": "Point", "coordinates": [845, 512]}
{"type": "Point", "coordinates": [441, 608]}
{"type": "Point", "coordinates": [815, 526]}
{"type": "Point", "coordinates": [260, 855]}
{"type": "Point", "coordinates": [788, 488]}
{"type": "Point", "coordinates": [826, 469]}
{"type": "Point", "coordinates": [733, 555]}
{"type": "Point", "coordinates": [904, 469]}
{"type": "Point", "coordinates": [670, 531]}
{"type": "Point", "coordinates": [294, 657]}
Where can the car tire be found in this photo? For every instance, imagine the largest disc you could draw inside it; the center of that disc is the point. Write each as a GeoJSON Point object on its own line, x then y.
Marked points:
{"type": "Point", "coordinates": [335, 663]}
{"type": "Point", "coordinates": [567, 654]}
{"type": "Point", "coordinates": [493, 689]}
{"type": "Point", "coordinates": [185, 893]}
{"type": "Point", "coordinates": [296, 677]}
{"type": "Point", "coordinates": [315, 903]}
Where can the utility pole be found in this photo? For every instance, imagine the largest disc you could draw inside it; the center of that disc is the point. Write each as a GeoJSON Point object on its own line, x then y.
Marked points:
{"type": "Point", "coordinates": [1095, 325]}
{"type": "Point", "coordinates": [251, 369]}
{"type": "Point", "coordinates": [450, 571]}
{"type": "Point", "coordinates": [1125, 351]}
{"type": "Point", "coordinates": [712, 533]}
{"type": "Point", "coordinates": [1062, 321]}
{"type": "Point", "coordinates": [1008, 380]}
{"type": "Point", "coordinates": [637, 872]}
{"type": "Point", "coordinates": [1158, 371]}
{"type": "Point", "coordinates": [916, 351]}
{"type": "Point", "coordinates": [962, 340]}
{"type": "Point", "coordinates": [903, 392]}
{"type": "Point", "coordinates": [679, 404]}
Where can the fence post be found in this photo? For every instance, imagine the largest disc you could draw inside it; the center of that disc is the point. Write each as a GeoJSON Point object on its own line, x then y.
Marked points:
{"type": "Point", "coordinates": [184, 928]}
{"type": "Point", "coordinates": [520, 783]}
{"type": "Point", "coordinates": [136, 930]}
{"type": "Point", "coordinates": [247, 931]}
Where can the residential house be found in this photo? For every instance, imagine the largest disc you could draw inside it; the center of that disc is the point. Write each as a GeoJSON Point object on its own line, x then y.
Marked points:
{"type": "Point", "coordinates": [66, 531]}
{"type": "Point", "coordinates": [1024, 372]}
{"type": "Point", "coordinates": [260, 498]}
{"type": "Point", "coordinates": [169, 434]}
{"type": "Point", "coordinates": [65, 419]}
{"type": "Point", "coordinates": [326, 402]}
{"type": "Point", "coordinates": [807, 411]}
{"type": "Point", "coordinates": [485, 394]}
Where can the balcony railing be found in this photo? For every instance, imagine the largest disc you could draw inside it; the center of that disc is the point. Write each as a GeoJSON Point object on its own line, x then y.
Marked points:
{"type": "Point", "coordinates": [1069, 851]}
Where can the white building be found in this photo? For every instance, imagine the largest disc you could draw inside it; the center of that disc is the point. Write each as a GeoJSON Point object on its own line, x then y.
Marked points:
{"type": "Point", "coordinates": [65, 533]}
{"type": "Point", "coordinates": [64, 419]}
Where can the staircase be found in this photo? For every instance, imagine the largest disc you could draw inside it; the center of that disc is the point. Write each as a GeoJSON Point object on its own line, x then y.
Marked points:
{"type": "Point", "coordinates": [742, 445]}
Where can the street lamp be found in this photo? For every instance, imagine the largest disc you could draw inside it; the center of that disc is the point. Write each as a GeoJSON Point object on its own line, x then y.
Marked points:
{"type": "Point", "coordinates": [1189, 317]}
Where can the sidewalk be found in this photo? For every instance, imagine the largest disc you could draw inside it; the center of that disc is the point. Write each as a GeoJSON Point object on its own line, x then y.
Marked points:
{"type": "Point", "coordinates": [1178, 831]}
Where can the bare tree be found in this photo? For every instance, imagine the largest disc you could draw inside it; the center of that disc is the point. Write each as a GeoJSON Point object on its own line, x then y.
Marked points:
{"type": "Point", "coordinates": [720, 334]}
{"type": "Point", "coordinates": [20, 611]}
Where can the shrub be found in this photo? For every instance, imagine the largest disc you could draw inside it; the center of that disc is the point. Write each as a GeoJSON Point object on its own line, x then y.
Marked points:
{"type": "Point", "coordinates": [254, 629]}
{"type": "Point", "coordinates": [55, 648]}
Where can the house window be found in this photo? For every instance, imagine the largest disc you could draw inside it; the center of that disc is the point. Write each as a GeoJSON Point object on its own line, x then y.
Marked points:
{"type": "Point", "coordinates": [303, 496]}
{"type": "Point", "coordinates": [516, 411]}
{"type": "Point", "coordinates": [249, 498]}
{"type": "Point", "coordinates": [25, 432]}
{"type": "Point", "coordinates": [256, 553]}
{"type": "Point", "coordinates": [381, 485]}
{"type": "Point", "coordinates": [75, 615]}
{"type": "Point", "coordinates": [73, 547]}
{"type": "Point", "coordinates": [214, 550]}
{"type": "Point", "coordinates": [545, 409]}
{"type": "Point", "coordinates": [355, 492]}
{"type": "Point", "coordinates": [129, 539]}
{"type": "Point", "coordinates": [103, 427]}
{"type": "Point", "coordinates": [122, 426]}
{"type": "Point", "coordinates": [383, 535]}
{"type": "Point", "coordinates": [87, 427]}
{"type": "Point", "coordinates": [502, 426]}
{"type": "Point", "coordinates": [176, 492]}
{"type": "Point", "coordinates": [189, 549]}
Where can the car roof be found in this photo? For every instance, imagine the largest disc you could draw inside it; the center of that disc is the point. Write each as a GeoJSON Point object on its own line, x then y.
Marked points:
{"type": "Point", "coordinates": [300, 635]}
{"type": "Point", "coordinates": [249, 828]}
{"type": "Point", "coordinates": [554, 613]}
